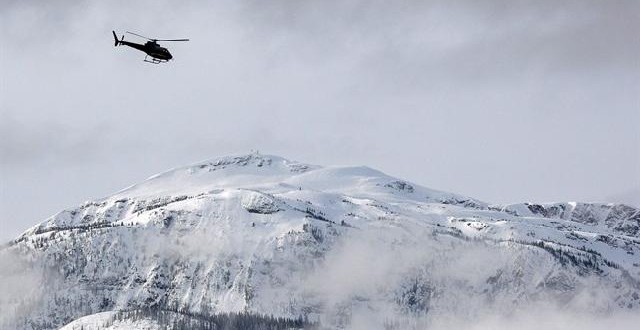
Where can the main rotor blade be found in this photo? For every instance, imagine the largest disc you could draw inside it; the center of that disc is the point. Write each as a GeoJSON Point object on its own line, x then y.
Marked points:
{"type": "Point", "coordinates": [171, 39]}
{"type": "Point", "coordinates": [135, 34]}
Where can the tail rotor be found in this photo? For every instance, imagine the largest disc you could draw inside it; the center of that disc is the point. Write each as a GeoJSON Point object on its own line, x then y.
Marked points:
{"type": "Point", "coordinates": [115, 38]}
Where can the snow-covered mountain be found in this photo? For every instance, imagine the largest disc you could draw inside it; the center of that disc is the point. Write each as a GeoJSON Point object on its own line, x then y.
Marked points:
{"type": "Point", "coordinates": [346, 246]}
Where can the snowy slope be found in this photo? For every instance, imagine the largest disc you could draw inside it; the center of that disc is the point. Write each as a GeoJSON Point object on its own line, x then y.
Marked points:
{"type": "Point", "coordinates": [106, 321]}
{"type": "Point", "coordinates": [343, 245]}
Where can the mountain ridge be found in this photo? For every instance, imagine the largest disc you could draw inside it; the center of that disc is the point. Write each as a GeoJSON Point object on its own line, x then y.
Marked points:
{"type": "Point", "coordinates": [262, 234]}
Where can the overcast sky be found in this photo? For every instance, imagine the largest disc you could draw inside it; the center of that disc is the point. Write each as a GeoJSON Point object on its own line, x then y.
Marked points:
{"type": "Point", "coordinates": [505, 101]}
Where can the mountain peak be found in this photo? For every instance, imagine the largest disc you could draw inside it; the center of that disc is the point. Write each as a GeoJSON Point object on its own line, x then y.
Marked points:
{"type": "Point", "coordinates": [250, 162]}
{"type": "Point", "coordinates": [256, 160]}
{"type": "Point", "coordinates": [234, 170]}
{"type": "Point", "coordinates": [275, 174]}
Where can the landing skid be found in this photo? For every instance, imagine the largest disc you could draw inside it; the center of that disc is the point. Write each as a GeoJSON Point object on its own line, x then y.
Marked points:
{"type": "Point", "coordinates": [154, 60]}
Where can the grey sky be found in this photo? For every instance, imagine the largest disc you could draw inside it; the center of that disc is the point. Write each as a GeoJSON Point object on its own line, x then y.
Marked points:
{"type": "Point", "coordinates": [505, 101]}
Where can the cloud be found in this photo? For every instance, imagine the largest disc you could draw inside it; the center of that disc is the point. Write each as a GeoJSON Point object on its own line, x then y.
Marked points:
{"type": "Point", "coordinates": [412, 278]}
{"type": "Point", "coordinates": [20, 288]}
{"type": "Point", "coordinates": [546, 318]}
{"type": "Point", "coordinates": [630, 197]}
{"type": "Point", "coordinates": [505, 101]}
{"type": "Point", "coordinates": [27, 141]}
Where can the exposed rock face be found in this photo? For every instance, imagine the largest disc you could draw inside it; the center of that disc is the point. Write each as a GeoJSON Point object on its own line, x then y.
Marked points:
{"type": "Point", "coordinates": [620, 218]}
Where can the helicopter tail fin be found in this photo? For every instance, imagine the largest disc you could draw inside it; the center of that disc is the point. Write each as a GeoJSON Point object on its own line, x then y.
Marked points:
{"type": "Point", "coordinates": [115, 37]}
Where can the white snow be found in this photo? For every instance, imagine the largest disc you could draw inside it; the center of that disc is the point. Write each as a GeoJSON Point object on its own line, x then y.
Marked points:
{"type": "Point", "coordinates": [265, 234]}
{"type": "Point", "coordinates": [107, 321]}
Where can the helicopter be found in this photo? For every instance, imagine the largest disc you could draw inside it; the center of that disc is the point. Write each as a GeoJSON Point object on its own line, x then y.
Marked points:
{"type": "Point", "coordinates": [155, 53]}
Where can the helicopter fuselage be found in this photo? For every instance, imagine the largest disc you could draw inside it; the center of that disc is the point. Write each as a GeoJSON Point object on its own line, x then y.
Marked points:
{"type": "Point", "coordinates": [150, 48]}
{"type": "Point", "coordinates": [157, 53]}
